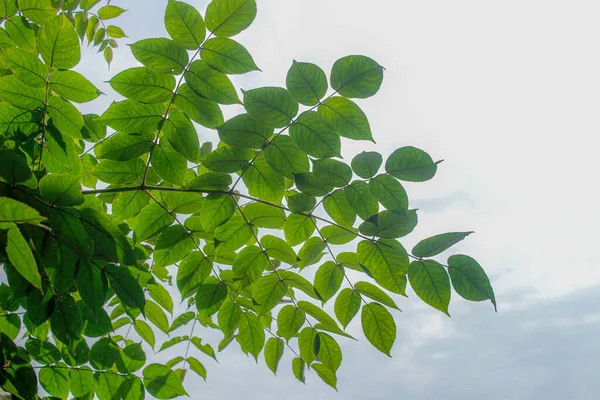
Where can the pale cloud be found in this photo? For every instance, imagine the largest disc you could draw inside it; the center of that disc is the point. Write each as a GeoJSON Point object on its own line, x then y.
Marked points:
{"type": "Point", "coordinates": [506, 93]}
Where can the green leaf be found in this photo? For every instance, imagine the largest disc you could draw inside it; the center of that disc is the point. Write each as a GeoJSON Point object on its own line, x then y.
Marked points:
{"type": "Point", "coordinates": [163, 55]}
{"type": "Point", "coordinates": [13, 211]}
{"type": "Point", "coordinates": [390, 193]}
{"type": "Point", "coordinates": [162, 383]}
{"type": "Point", "coordinates": [356, 76]}
{"type": "Point", "coordinates": [366, 164]}
{"type": "Point", "coordinates": [125, 146]}
{"type": "Point", "coordinates": [345, 118]}
{"type": "Point", "coordinates": [211, 181]}
{"type": "Point", "coordinates": [297, 281]}
{"type": "Point", "coordinates": [306, 82]}
{"type": "Point", "coordinates": [104, 353]}
{"type": "Point", "coordinates": [227, 159]}
{"type": "Point", "coordinates": [388, 261]}
{"type": "Point", "coordinates": [326, 375]}
{"type": "Point", "coordinates": [182, 320]}
{"type": "Point", "coordinates": [81, 381]}
{"type": "Point", "coordinates": [379, 327]}
{"type": "Point", "coordinates": [328, 279]}
{"type": "Point", "coordinates": [319, 314]}
{"type": "Point", "coordinates": [185, 24]}
{"type": "Point", "coordinates": [229, 317]}
{"type": "Point", "coordinates": [182, 135]}
{"type": "Point", "coordinates": [152, 220]}
{"type": "Point", "coordinates": [73, 86]}
{"type": "Point", "coordinates": [211, 294]}
{"type": "Point", "coordinates": [411, 164]}
{"type": "Point", "coordinates": [373, 292]}
{"type": "Point", "coordinates": [308, 344]}
{"type": "Point", "coordinates": [298, 366]}
{"type": "Point", "coordinates": [131, 358]}
{"type": "Point", "coordinates": [197, 367]}
{"type": "Point", "coordinates": [14, 120]}
{"type": "Point", "coordinates": [108, 385]}
{"type": "Point", "coordinates": [61, 190]}
{"type": "Point", "coordinates": [21, 31]}
{"type": "Point", "coordinates": [130, 116]}
{"type": "Point", "coordinates": [210, 83]}
{"type": "Point", "coordinates": [38, 11]}
{"type": "Point", "coordinates": [93, 130]}
{"type": "Point", "coordinates": [298, 228]}
{"type": "Point", "coordinates": [198, 109]}
{"type": "Point", "coordinates": [109, 12]}
{"type": "Point", "coordinates": [145, 332]}
{"type": "Point", "coordinates": [55, 381]}
{"type": "Point", "coordinates": [59, 262]}
{"type": "Point", "coordinates": [20, 95]}
{"type": "Point", "coordinates": [244, 131]}
{"type": "Point", "coordinates": [126, 287]}
{"type": "Point", "coordinates": [289, 321]}
{"type": "Point", "coordinates": [8, 8]}
{"type": "Point", "coordinates": [431, 283]}
{"type": "Point", "coordinates": [169, 164]}
{"type": "Point", "coordinates": [25, 66]}
{"type": "Point", "coordinates": [278, 249]}
{"type": "Point", "coordinates": [437, 244]}
{"type": "Point", "coordinates": [332, 172]}
{"type": "Point", "coordinates": [114, 32]}
{"type": "Point", "coordinates": [361, 199]}
{"type": "Point", "coordinates": [273, 353]}
{"type": "Point", "coordinates": [311, 251]}
{"type": "Point", "coordinates": [216, 210]}
{"type": "Point", "coordinates": [268, 292]}
{"type": "Point", "coordinates": [156, 315]}
{"type": "Point", "coordinates": [273, 106]}
{"type": "Point", "coordinates": [315, 138]}
{"type": "Point", "coordinates": [42, 351]}
{"type": "Point", "coordinates": [469, 279]}
{"type": "Point", "coordinates": [251, 335]}
{"type": "Point", "coordinates": [285, 157]}
{"type": "Point", "coordinates": [92, 285]}
{"type": "Point", "coordinates": [225, 18]}
{"type": "Point", "coordinates": [144, 84]}
{"type": "Point", "coordinates": [339, 209]}
{"type": "Point", "coordinates": [346, 306]}
{"type": "Point", "coordinates": [227, 56]}
{"type": "Point", "coordinates": [249, 265]}
{"type": "Point", "coordinates": [233, 234]}
{"type": "Point", "coordinates": [10, 325]}
{"type": "Point", "coordinates": [334, 234]}
{"type": "Point", "coordinates": [191, 273]}
{"type": "Point", "coordinates": [65, 320]}
{"type": "Point", "coordinates": [329, 353]}
{"type": "Point", "coordinates": [263, 181]}
{"type": "Point", "coordinates": [205, 348]}
{"type": "Point", "coordinates": [20, 256]}
{"type": "Point", "coordinates": [161, 296]}
{"type": "Point", "coordinates": [300, 202]}
{"type": "Point", "coordinates": [173, 244]}
{"type": "Point", "coordinates": [58, 43]}
{"type": "Point", "coordinates": [389, 224]}
{"type": "Point", "coordinates": [264, 216]}
{"type": "Point", "coordinates": [95, 324]}
{"type": "Point", "coordinates": [65, 117]}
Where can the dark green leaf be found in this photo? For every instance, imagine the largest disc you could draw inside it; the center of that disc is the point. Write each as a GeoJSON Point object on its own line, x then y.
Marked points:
{"type": "Point", "coordinates": [389, 192]}
{"type": "Point", "coordinates": [125, 146]}
{"type": "Point", "coordinates": [332, 172]}
{"type": "Point", "coordinates": [81, 381]}
{"type": "Point", "coordinates": [356, 76]}
{"type": "Point", "coordinates": [191, 272]}
{"type": "Point", "coordinates": [131, 358]}
{"type": "Point", "coordinates": [210, 83]}
{"type": "Point", "coordinates": [389, 224]}
{"type": "Point", "coordinates": [306, 82]}
{"type": "Point", "coordinates": [263, 181]}
{"type": "Point", "coordinates": [300, 202]}
{"type": "Point", "coordinates": [65, 321]}
{"type": "Point", "coordinates": [125, 286]}
{"type": "Point", "coordinates": [311, 251]}
{"type": "Point", "coordinates": [469, 279]}
{"type": "Point", "coordinates": [437, 244]}
{"type": "Point", "coordinates": [339, 209]}
{"type": "Point", "coordinates": [366, 164]}
{"type": "Point", "coordinates": [244, 131]}
{"type": "Point", "coordinates": [387, 261]}
{"type": "Point", "coordinates": [411, 164]}
{"type": "Point", "coordinates": [162, 383]}
{"type": "Point", "coordinates": [55, 381]}
{"type": "Point", "coordinates": [42, 351]}
{"type": "Point", "coordinates": [285, 157]}
{"type": "Point", "coordinates": [61, 190]}
{"type": "Point", "coordinates": [314, 137]}
{"type": "Point", "coordinates": [361, 199]}
{"type": "Point", "coordinates": [104, 353]}
{"type": "Point", "coordinates": [211, 294]}
{"type": "Point", "coordinates": [227, 159]}
{"type": "Point", "coordinates": [264, 216]}
{"type": "Point", "coordinates": [431, 283]}
{"type": "Point", "coordinates": [273, 106]}
{"type": "Point", "coordinates": [345, 118]}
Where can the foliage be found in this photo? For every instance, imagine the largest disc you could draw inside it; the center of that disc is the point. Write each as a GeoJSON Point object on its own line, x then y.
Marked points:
{"type": "Point", "coordinates": [101, 233]}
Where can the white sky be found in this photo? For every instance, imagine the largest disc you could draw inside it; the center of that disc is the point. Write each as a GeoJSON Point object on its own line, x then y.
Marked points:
{"type": "Point", "coordinates": [507, 93]}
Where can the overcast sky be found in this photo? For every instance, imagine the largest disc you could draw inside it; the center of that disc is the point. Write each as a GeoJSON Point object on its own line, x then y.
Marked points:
{"type": "Point", "coordinates": [508, 94]}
